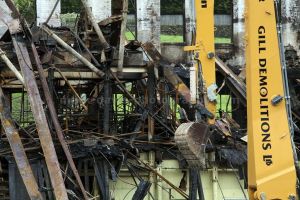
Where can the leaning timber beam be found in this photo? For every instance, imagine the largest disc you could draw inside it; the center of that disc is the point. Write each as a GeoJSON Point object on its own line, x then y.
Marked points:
{"type": "Point", "coordinates": [16, 145]}
{"type": "Point", "coordinates": [236, 85]}
{"type": "Point", "coordinates": [40, 117]}
{"type": "Point", "coordinates": [19, 43]}
{"type": "Point", "coordinates": [73, 52]}
{"type": "Point", "coordinates": [55, 120]}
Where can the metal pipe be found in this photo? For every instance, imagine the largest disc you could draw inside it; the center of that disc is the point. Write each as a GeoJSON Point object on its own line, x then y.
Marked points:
{"type": "Point", "coordinates": [11, 66]}
{"type": "Point", "coordinates": [73, 52]}
{"type": "Point", "coordinates": [18, 150]}
{"type": "Point", "coordinates": [88, 10]}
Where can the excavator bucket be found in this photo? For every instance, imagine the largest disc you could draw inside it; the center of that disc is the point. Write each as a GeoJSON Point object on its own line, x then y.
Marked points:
{"type": "Point", "coordinates": [191, 139]}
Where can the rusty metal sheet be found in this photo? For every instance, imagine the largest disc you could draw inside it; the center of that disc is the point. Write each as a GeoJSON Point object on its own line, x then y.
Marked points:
{"type": "Point", "coordinates": [16, 145]}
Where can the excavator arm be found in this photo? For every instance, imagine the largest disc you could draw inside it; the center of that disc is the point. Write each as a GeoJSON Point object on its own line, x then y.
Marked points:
{"type": "Point", "coordinates": [203, 72]}
{"type": "Point", "coordinates": [191, 138]}
{"type": "Point", "coordinates": [271, 158]}
{"type": "Point", "coordinates": [271, 169]}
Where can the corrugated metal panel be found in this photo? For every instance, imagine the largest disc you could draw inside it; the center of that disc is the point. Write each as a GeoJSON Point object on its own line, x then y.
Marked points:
{"type": "Point", "coordinates": [43, 10]}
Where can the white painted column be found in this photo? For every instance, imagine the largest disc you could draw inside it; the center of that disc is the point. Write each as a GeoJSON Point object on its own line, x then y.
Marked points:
{"type": "Point", "coordinates": [148, 21]}
{"type": "Point", "coordinates": [291, 23]}
{"type": "Point", "coordinates": [3, 27]}
{"type": "Point", "coordinates": [152, 176]}
{"type": "Point", "coordinates": [44, 9]}
{"type": "Point", "coordinates": [189, 20]}
{"type": "Point", "coordinates": [215, 180]}
{"type": "Point", "coordinates": [239, 32]}
{"type": "Point", "coordinates": [101, 9]}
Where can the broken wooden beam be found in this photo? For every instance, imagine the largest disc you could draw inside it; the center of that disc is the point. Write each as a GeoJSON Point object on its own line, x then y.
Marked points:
{"type": "Point", "coordinates": [55, 120]}
{"type": "Point", "coordinates": [73, 52]}
{"type": "Point", "coordinates": [18, 150]}
{"type": "Point", "coordinates": [236, 85]}
{"type": "Point", "coordinates": [19, 42]}
{"type": "Point", "coordinates": [90, 15]}
{"type": "Point", "coordinates": [40, 117]}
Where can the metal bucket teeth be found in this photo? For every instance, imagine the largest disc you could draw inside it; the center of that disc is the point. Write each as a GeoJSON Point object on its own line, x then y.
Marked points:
{"type": "Point", "coordinates": [191, 139]}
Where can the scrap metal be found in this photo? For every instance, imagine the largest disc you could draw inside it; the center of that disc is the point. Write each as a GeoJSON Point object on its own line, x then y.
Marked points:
{"type": "Point", "coordinates": [18, 149]}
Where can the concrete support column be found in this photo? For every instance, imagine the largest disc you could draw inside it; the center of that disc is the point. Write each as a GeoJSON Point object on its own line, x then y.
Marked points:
{"type": "Point", "coordinates": [215, 182]}
{"type": "Point", "coordinates": [100, 9]}
{"type": "Point", "coordinates": [291, 24]}
{"type": "Point", "coordinates": [148, 21]}
{"type": "Point", "coordinates": [3, 27]}
{"type": "Point", "coordinates": [43, 10]}
{"type": "Point", "coordinates": [239, 32]}
{"type": "Point", "coordinates": [189, 7]}
{"type": "Point", "coordinates": [152, 176]}
{"type": "Point", "coordinates": [159, 183]}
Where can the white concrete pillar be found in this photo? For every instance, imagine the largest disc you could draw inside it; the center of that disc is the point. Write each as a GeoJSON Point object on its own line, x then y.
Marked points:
{"type": "Point", "coordinates": [101, 9]}
{"type": "Point", "coordinates": [291, 24]}
{"type": "Point", "coordinates": [44, 9]}
{"type": "Point", "coordinates": [148, 21]}
{"type": "Point", "coordinates": [189, 20]}
{"type": "Point", "coordinates": [239, 32]}
{"type": "Point", "coordinates": [3, 27]}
